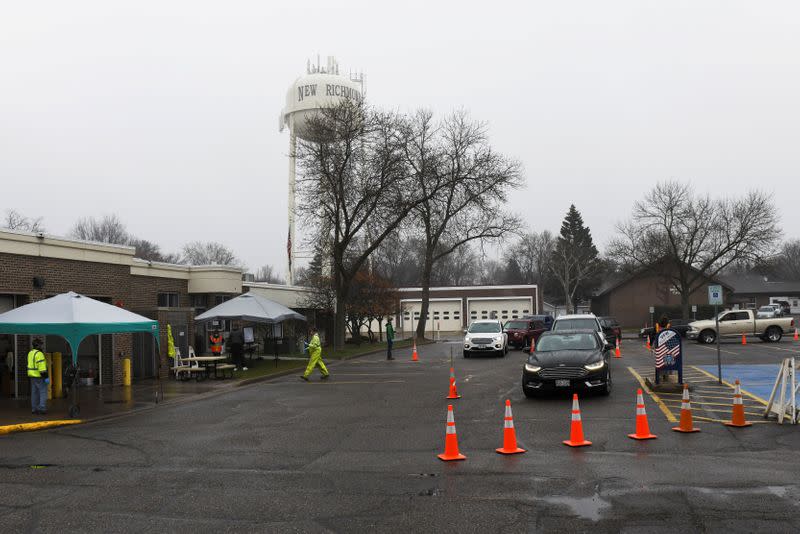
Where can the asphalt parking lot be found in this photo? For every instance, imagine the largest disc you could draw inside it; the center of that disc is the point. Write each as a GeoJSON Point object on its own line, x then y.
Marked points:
{"type": "Point", "coordinates": [358, 453]}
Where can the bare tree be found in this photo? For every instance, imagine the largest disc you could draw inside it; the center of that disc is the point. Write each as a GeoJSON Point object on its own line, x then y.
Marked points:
{"type": "Point", "coordinates": [209, 253]}
{"type": "Point", "coordinates": [146, 250]}
{"type": "Point", "coordinates": [352, 179]}
{"type": "Point", "coordinates": [688, 238]}
{"type": "Point", "coordinates": [464, 185]}
{"type": "Point", "coordinates": [17, 221]}
{"type": "Point", "coordinates": [533, 252]}
{"type": "Point", "coordinates": [267, 273]}
{"type": "Point", "coordinates": [106, 229]}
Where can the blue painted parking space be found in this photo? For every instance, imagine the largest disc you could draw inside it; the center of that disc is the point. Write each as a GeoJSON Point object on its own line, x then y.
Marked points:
{"type": "Point", "coordinates": [756, 379]}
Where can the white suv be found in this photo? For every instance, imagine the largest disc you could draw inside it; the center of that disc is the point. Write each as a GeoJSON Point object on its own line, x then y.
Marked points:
{"type": "Point", "coordinates": [485, 337]}
{"type": "Point", "coordinates": [584, 321]}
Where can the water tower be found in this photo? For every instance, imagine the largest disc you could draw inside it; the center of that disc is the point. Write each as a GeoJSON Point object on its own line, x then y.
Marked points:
{"type": "Point", "coordinates": [320, 87]}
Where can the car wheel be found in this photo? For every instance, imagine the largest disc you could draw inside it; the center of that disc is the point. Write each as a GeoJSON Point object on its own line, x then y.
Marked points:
{"type": "Point", "coordinates": [774, 334]}
{"type": "Point", "coordinates": [466, 354]}
{"type": "Point", "coordinates": [608, 385]}
{"type": "Point", "coordinates": [707, 336]}
{"type": "Point", "coordinates": [525, 343]}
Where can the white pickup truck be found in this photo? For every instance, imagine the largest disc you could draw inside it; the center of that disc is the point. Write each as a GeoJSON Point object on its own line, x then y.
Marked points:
{"type": "Point", "coordinates": [734, 323]}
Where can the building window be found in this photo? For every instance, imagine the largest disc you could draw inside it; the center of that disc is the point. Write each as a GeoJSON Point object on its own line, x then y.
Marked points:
{"type": "Point", "coordinates": [525, 311]}
{"type": "Point", "coordinates": [514, 316]}
{"type": "Point", "coordinates": [219, 299]}
{"type": "Point", "coordinates": [456, 315]}
{"type": "Point", "coordinates": [436, 315]}
{"type": "Point", "coordinates": [199, 301]}
{"type": "Point", "coordinates": [168, 300]}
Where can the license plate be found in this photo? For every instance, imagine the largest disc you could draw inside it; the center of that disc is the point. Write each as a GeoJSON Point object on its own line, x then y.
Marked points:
{"type": "Point", "coordinates": [562, 383]}
{"type": "Point", "coordinates": [483, 346]}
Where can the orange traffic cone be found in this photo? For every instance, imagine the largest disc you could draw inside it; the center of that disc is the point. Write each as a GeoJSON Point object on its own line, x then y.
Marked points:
{"type": "Point", "coordinates": [453, 394]}
{"type": "Point", "coordinates": [686, 424]}
{"type": "Point", "coordinates": [509, 434]}
{"type": "Point", "coordinates": [642, 427]}
{"type": "Point", "coordinates": [796, 336]}
{"type": "Point", "coordinates": [451, 439]}
{"type": "Point", "coordinates": [647, 344]}
{"type": "Point", "coordinates": [737, 418]}
{"type": "Point", "coordinates": [576, 438]}
{"type": "Point", "coordinates": [744, 339]}
{"type": "Point", "coordinates": [617, 353]}
{"type": "Point", "coordinates": [414, 356]}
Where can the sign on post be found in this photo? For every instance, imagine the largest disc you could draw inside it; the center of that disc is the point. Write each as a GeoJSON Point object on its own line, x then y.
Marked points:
{"type": "Point", "coordinates": [668, 352]}
{"type": "Point", "coordinates": [715, 299]}
{"type": "Point", "coordinates": [715, 295]}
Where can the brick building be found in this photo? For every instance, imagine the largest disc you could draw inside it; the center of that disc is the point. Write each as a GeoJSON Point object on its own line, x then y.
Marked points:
{"type": "Point", "coordinates": [37, 266]}
{"type": "Point", "coordinates": [629, 299]}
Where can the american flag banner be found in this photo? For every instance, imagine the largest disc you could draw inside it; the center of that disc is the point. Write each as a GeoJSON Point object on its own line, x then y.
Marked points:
{"type": "Point", "coordinates": [667, 349]}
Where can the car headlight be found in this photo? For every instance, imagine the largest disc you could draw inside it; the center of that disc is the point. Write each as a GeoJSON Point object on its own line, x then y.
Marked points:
{"type": "Point", "coordinates": [594, 366]}
{"type": "Point", "coordinates": [498, 338]}
{"type": "Point", "coordinates": [532, 368]}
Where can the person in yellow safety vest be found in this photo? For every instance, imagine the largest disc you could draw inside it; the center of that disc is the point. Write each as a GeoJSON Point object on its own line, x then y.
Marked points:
{"type": "Point", "coordinates": [216, 342]}
{"type": "Point", "coordinates": [37, 372]}
{"type": "Point", "coordinates": [314, 348]}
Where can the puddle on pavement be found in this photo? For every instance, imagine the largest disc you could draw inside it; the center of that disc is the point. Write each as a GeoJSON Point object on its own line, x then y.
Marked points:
{"type": "Point", "coordinates": [584, 507]}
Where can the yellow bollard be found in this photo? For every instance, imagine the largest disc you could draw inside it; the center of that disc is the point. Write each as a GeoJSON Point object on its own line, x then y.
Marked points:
{"type": "Point", "coordinates": [49, 359]}
{"type": "Point", "coordinates": [126, 371]}
{"type": "Point", "coordinates": [56, 377]}
{"type": "Point", "coordinates": [127, 395]}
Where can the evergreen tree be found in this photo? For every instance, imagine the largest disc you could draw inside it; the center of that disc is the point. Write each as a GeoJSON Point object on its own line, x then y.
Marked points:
{"type": "Point", "coordinates": [575, 262]}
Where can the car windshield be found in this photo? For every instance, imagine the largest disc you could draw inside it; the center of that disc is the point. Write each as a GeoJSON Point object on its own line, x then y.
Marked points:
{"type": "Point", "coordinates": [567, 342]}
{"type": "Point", "coordinates": [516, 325]}
{"type": "Point", "coordinates": [575, 324]}
{"type": "Point", "coordinates": [484, 328]}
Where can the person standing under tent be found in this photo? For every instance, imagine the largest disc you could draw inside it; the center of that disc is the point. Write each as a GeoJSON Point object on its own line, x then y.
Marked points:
{"type": "Point", "coordinates": [215, 340]}
{"type": "Point", "coordinates": [37, 372]}
{"type": "Point", "coordinates": [236, 344]}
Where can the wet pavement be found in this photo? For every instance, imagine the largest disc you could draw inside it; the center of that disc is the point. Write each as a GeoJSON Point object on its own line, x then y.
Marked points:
{"type": "Point", "coordinates": [100, 401]}
{"type": "Point", "coordinates": [358, 452]}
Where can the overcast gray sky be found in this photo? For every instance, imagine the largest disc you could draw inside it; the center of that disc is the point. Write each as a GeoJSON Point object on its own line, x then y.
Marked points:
{"type": "Point", "coordinates": [166, 112]}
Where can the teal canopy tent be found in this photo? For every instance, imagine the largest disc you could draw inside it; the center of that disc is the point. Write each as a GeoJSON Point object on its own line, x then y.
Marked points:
{"type": "Point", "coordinates": [74, 317]}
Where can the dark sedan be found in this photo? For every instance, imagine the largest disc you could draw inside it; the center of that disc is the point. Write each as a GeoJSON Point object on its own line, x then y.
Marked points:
{"type": "Point", "coordinates": [679, 325]}
{"type": "Point", "coordinates": [568, 360]}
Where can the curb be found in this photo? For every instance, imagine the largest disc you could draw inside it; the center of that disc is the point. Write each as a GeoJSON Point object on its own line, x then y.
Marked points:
{"type": "Point", "coordinates": [39, 425]}
{"type": "Point", "coordinates": [45, 425]}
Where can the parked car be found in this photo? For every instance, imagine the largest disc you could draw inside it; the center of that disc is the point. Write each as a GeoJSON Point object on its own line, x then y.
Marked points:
{"type": "Point", "coordinates": [679, 325]}
{"type": "Point", "coordinates": [769, 311]}
{"type": "Point", "coordinates": [734, 323]}
{"type": "Point", "coordinates": [786, 308]}
{"type": "Point", "coordinates": [579, 322]}
{"type": "Point", "coordinates": [568, 360]}
{"type": "Point", "coordinates": [611, 329]}
{"type": "Point", "coordinates": [485, 337]}
{"type": "Point", "coordinates": [521, 331]}
{"type": "Point", "coordinates": [546, 319]}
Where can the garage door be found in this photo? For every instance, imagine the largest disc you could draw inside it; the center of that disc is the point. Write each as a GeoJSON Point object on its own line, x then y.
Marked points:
{"type": "Point", "coordinates": [502, 309]}
{"type": "Point", "coordinates": [443, 315]}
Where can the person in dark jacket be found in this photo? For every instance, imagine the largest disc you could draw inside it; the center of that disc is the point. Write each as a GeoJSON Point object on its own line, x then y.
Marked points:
{"type": "Point", "coordinates": [236, 343]}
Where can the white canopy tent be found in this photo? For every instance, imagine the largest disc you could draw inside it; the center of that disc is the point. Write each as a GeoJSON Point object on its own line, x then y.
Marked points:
{"type": "Point", "coordinates": [250, 307]}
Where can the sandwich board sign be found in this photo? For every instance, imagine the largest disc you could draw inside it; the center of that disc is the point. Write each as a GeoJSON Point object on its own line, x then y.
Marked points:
{"type": "Point", "coordinates": [715, 295]}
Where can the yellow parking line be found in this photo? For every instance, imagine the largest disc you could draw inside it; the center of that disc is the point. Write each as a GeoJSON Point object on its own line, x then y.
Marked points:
{"type": "Point", "coordinates": [721, 350]}
{"type": "Point", "coordinates": [744, 391]}
{"type": "Point", "coordinates": [671, 418]}
{"type": "Point", "coordinates": [701, 418]}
